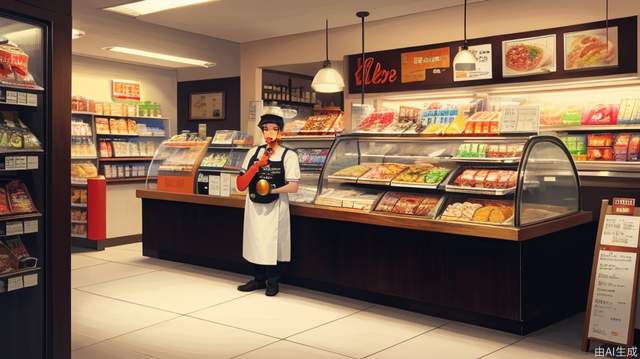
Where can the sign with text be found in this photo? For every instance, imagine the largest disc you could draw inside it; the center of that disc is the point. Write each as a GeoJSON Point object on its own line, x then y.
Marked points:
{"type": "Point", "coordinates": [426, 65]}
{"type": "Point", "coordinates": [125, 90]}
{"type": "Point", "coordinates": [520, 119]}
{"type": "Point", "coordinates": [611, 306]}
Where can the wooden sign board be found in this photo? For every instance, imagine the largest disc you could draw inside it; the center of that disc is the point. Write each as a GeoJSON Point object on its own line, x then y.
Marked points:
{"type": "Point", "coordinates": [611, 306]}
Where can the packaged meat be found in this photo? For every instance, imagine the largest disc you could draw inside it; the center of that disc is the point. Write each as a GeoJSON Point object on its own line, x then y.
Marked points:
{"type": "Point", "coordinates": [600, 139]}
{"type": "Point", "coordinates": [479, 177]}
{"type": "Point", "coordinates": [427, 206]}
{"type": "Point", "coordinates": [407, 204]}
{"type": "Point", "coordinates": [467, 178]}
{"type": "Point", "coordinates": [634, 148]}
{"type": "Point", "coordinates": [504, 178]}
{"type": "Point", "coordinates": [600, 154]}
{"type": "Point", "coordinates": [388, 201]}
{"type": "Point", "coordinates": [19, 198]}
{"type": "Point", "coordinates": [492, 179]}
{"type": "Point", "coordinates": [601, 115]}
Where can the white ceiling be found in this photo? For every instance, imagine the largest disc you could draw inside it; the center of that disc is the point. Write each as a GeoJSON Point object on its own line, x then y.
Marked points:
{"type": "Point", "coordinates": [250, 20]}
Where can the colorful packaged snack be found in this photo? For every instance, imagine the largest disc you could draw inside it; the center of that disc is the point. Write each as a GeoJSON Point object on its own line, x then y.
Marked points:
{"type": "Point", "coordinates": [634, 148]}
{"type": "Point", "coordinates": [600, 140]}
{"type": "Point", "coordinates": [600, 154]}
{"type": "Point", "coordinates": [601, 115]}
{"type": "Point", "coordinates": [621, 146]}
{"type": "Point", "coordinates": [19, 198]}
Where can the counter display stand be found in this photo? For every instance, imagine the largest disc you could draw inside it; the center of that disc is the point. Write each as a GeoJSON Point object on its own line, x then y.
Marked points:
{"type": "Point", "coordinates": [521, 263]}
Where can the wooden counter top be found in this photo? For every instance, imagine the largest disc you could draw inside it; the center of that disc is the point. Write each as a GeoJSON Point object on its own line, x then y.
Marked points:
{"type": "Point", "coordinates": [358, 216]}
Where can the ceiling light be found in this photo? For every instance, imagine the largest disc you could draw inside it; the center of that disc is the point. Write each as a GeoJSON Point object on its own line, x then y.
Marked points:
{"type": "Point", "coordinates": [76, 34]}
{"type": "Point", "coordinates": [159, 56]}
{"type": "Point", "coordinates": [327, 80]}
{"type": "Point", "coordinates": [464, 60]}
{"type": "Point", "coordinates": [144, 7]}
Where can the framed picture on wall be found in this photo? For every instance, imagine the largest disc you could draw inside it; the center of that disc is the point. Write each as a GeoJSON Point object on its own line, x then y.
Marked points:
{"type": "Point", "coordinates": [530, 56]}
{"type": "Point", "coordinates": [206, 106]}
{"type": "Point", "coordinates": [591, 49]}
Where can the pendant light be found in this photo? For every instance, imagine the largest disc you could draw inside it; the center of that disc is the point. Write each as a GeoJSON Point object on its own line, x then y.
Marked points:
{"type": "Point", "coordinates": [464, 60]}
{"type": "Point", "coordinates": [362, 15]}
{"type": "Point", "coordinates": [327, 80]}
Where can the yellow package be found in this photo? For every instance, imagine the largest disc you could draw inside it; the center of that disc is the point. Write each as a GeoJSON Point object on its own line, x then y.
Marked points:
{"type": "Point", "coordinates": [457, 126]}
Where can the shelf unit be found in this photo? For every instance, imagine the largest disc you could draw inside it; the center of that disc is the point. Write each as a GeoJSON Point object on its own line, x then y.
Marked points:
{"type": "Point", "coordinates": [125, 159]}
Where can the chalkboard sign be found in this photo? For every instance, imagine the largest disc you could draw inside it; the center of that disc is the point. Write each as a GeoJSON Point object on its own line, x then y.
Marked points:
{"type": "Point", "coordinates": [611, 306]}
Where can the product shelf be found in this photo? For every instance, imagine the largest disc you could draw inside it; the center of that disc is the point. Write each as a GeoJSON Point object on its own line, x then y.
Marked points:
{"type": "Point", "coordinates": [20, 279]}
{"type": "Point", "coordinates": [125, 159]}
{"type": "Point", "coordinates": [592, 128]}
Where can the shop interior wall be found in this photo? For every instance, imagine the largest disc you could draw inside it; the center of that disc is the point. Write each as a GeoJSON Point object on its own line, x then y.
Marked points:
{"type": "Point", "coordinates": [91, 78]}
{"type": "Point", "coordinates": [231, 88]}
{"type": "Point", "coordinates": [484, 19]}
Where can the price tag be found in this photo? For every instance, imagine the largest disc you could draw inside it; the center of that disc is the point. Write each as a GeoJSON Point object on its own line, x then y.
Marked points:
{"type": "Point", "coordinates": [509, 120]}
{"type": "Point", "coordinates": [31, 226]}
{"type": "Point", "coordinates": [619, 230]}
{"type": "Point", "coordinates": [225, 184]}
{"type": "Point", "coordinates": [9, 163]}
{"type": "Point", "coordinates": [22, 98]}
{"type": "Point", "coordinates": [32, 162]}
{"type": "Point", "coordinates": [30, 280]}
{"type": "Point", "coordinates": [32, 99]}
{"type": "Point", "coordinates": [14, 228]}
{"type": "Point", "coordinates": [12, 97]}
{"type": "Point", "coordinates": [214, 185]}
{"type": "Point", "coordinates": [20, 162]}
{"type": "Point", "coordinates": [14, 283]}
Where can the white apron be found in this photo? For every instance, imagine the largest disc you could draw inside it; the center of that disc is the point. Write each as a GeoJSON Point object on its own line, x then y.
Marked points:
{"type": "Point", "coordinates": [267, 228]}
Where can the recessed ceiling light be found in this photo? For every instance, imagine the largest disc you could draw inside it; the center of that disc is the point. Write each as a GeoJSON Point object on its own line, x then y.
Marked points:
{"type": "Point", "coordinates": [144, 7]}
{"type": "Point", "coordinates": [76, 34]}
{"type": "Point", "coordinates": [159, 56]}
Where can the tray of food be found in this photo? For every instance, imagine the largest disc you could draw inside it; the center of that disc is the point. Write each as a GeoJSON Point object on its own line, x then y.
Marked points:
{"type": "Point", "coordinates": [410, 204]}
{"type": "Point", "coordinates": [479, 211]}
{"type": "Point", "coordinates": [482, 152]}
{"type": "Point", "coordinates": [349, 174]}
{"type": "Point", "coordinates": [382, 173]}
{"type": "Point", "coordinates": [318, 124]}
{"type": "Point", "coordinates": [498, 182]}
{"type": "Point", "coordinates": [424, 175]}
{"type": "Point", "coordinates": [376, 122]}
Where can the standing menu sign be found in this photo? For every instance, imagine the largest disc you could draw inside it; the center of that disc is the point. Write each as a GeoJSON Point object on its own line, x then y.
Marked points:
{"type": "Point", "coordinates": [611, 306]}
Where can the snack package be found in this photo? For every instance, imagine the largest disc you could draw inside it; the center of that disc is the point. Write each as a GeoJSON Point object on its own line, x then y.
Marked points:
{"type": "Point", "coordinates": [600, 140]}
{"type": "Point", "coordinates": [8, 262]}
{"type": "Point", "coordinates": [427, 206]}
{"type": "Point", "coordinates": [17, 248]}
{"type": "Point", "coordinates": [601, 115]}
{"type": "Point", "coordinates": [4, 202]}
{"type": "Point", "coordinates": [132, 127]}
{"type": "Point", "coordinates": [457, 126]}
{"type": "Point", "coordinates": [14, 65]}
{"type": "Point", "coordinates": [600, 154]}
{"type": "Point", "coordinates": [572, 116]}
{"type": "Point", "coordinates": [551, 116]}
{"type": "Point", "coordinates": [19, 198]}
{"type": "Point", "coordinates": [621, 146]}
{"type": "Point", "coordinates": [634, 148]}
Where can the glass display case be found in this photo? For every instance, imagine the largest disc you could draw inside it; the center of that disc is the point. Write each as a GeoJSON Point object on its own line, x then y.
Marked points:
{"type": "Point", "coordinates": [312, 155]}
{"type": "Point", "coordinates": [512, 181]}
{"type": "Point", "coordinates": [175, 164]}
{"type": "Point", "coordinates": [219, 167]}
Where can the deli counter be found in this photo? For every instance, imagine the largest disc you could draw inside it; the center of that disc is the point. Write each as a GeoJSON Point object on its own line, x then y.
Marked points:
{"type": "Point", "coordinates": [486, 230]}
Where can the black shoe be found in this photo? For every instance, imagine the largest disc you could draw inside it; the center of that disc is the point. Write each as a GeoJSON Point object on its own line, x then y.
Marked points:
{"type": "Point", "coordinates": [272, 289]}
{"type": "Point", "coordinates": [251, 285]}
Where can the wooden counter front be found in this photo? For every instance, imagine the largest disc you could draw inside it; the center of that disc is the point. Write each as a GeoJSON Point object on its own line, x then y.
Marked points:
{"type": "Point", "coordinates": [359, 216]}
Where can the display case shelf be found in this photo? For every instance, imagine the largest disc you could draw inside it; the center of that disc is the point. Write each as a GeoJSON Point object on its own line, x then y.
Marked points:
{"type": "Point", "coordinates": [125, 159]}
{"type": "Point", "coordinates": [480, 191]}
{"type": "Point", "coordinates": [15, 217]}
{"type": "Point", "coordinates": [592, 128]}
{"type": "Point", "coordinates": [117, 135]}
{"type": "Point", "coordinates": [127, 180]}
{"type": "Point", "coordinates": [511, 160]}
{"type": "Point", "coordinates": [20, 279]}
{"type": "Point", "coordinates": [118, 116]}
{"type": "Point", "coordinates": [84, 157]}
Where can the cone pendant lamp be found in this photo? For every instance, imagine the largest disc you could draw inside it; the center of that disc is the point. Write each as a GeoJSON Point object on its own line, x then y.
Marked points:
{"type": "Point", "coordinates": [327, 80]}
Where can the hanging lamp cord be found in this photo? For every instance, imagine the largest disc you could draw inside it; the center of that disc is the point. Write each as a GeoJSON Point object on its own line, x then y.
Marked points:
{"type": "Point", "coordinates": [326, 36]}
{"type": "Point", "coordinates": [363, 70]}
{"type": "Point", "coordinates": [465, 24]}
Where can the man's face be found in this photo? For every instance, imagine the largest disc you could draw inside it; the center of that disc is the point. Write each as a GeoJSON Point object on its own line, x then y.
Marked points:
{"type": "Point", "coordinates": [270, 132]}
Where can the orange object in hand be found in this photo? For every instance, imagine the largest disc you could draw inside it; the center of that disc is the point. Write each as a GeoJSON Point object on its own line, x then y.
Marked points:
{"type": "Point", "coordinates": [243, 181]}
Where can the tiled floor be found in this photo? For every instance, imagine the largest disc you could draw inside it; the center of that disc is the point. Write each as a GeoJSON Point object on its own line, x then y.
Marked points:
{"type": "Point", "coordinates": [126, 306]}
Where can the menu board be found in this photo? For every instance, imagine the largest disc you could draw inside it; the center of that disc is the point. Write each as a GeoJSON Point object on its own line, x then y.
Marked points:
{"type": "Point", "coordinates": [520, 119]}
{"type": "Point", "coordinates": [611, 307]}
{"type": "Point", "coordinates": [612, 298]}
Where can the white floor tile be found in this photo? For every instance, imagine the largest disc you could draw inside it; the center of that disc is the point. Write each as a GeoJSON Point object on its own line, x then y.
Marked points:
{"type": "Point", "coordinates": [114, 254]}
{"type": "Point", "coordinates": [80, 261]}
{"type": "Point", "coordinates": [452, 341]}
{"type": "Point", "coordinates": [95, 318]}
{"type": "Point", "coordinates": [134, 247]}
{"type": "Point", "coordinates": [189, 338]}
{"type": "Point", "coordinates": [367, 332]}
{"type": "Point", "coordinates": [107, 350]}
{"type": "Point", "coordinates": [288, 313]}
{"type": "Point", "coordinates": [103, 273]}
{"type": "Point", "coordinates": [171, 290]}
{"type": "Point", "coordinates": [287, 350]}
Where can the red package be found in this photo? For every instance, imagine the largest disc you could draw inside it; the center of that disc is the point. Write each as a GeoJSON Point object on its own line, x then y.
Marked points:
{"type": "Point", "coordinates": [479, 178]}
{"type": "Point", "coordinates": [8, 262]}
{"type": "Point", "coordinates": [601, 115]}
{"type": "Point", "coordinates": [600, 140]}
{"type": "Point", "coordinates": [14, 65]}
{"type": "Point", "coordinates": [621, 147]}
{"type": "Point", "coordinates": [17, 248]}
{"type": "Point", "coordinates": [19, 198]}
{"type": "Point", "coordinates": [492, 179]}
{"type": "Point", "coordinates": [4, 202]}
{"type": "Point", "coordinates": [634, 148]}
{"type": "Point", "coordinates": [600, 154]}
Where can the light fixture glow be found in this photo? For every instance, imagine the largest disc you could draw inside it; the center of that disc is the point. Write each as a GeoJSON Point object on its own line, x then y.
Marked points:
{"type": "Point", "coordinates": [144, 7]}
{"type": "Point", "coordinates": [159, 56]}
{"type": "Point", "coordinates": [76, 34]}
{"type": "Point", "coordinates": [327, 80]}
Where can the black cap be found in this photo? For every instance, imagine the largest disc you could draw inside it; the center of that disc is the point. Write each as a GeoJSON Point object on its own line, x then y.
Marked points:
{"type": "Point", "coordinates": [270, 118]}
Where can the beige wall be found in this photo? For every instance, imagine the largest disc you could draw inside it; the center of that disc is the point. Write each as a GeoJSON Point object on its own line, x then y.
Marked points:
{"type": "Point", "coordinates": [488, 18]}
{"type": "Point", "coordinates": [91, 78]}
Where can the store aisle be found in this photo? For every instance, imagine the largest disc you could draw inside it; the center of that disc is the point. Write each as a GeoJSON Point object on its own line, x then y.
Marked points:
{"type": "Point", "coordinates": [128, 306]}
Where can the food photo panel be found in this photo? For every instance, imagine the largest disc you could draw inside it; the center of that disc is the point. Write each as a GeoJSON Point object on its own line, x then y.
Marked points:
{"type": "Point", "coordinates": [591, 49]}
{"type": "Point", "coordinates": [529, 56]}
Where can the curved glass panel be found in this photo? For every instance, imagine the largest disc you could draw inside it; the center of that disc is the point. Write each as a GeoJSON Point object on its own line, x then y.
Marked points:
{"type": "Point", "coordinates": [549, 184]}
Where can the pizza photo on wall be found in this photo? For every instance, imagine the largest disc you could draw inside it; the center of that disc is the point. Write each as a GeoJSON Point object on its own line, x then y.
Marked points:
{"type": "Point", "coordinates": [591, 49]}
{"type": "Point", "coordinates": [529, 56]}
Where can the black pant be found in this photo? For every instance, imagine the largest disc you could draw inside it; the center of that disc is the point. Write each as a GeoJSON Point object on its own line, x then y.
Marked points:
{"type": "Point", "coordinates": [269, 273]}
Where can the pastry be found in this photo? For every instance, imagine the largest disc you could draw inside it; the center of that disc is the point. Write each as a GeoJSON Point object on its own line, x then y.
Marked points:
{"type": "Point", "coordinates": [482, 214]}
{"type": "Point", "coordinates": [386, 171]}
{"type": "Point", "coordinates": [353, 171]}
{"type": "Point", "coordinates": [388, 202]}
{"type": "Point", "coordinates": [407, 204]}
